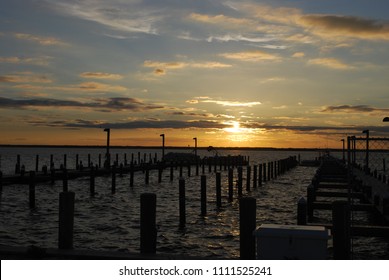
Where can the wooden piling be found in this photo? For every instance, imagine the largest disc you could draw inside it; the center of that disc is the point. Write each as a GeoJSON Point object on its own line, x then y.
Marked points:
{"type": "Point", "coordinates": [92, 181]}
{"type": "Point", "coordinates": [160, 169]}
{"type": "Point", "coordinates": [230, 184]}
{"type": "Point", "coordinates": [302, 211]}
{"type": "Point", "coordinates": [310, 201]}
{"type": "Point", "coordinates": [65, 161]}
{"type": "Point", "coordinates": [17, 166]}
{"type": "Point", "coordinates": [66, 220]}
{"type": "Point", "coordinates": [240, 180]}
{"type": "Point", "coordinates": [113, 181]}
{"type": "Point", "coordinates": [247, 224]}
{"type": "Point", "coordinates": [203, 195]}
{"type": "Point", "coordinates": [248, 178]}
{"type": "Point", "coordinates": [218, 190]}
{"type": "Point", "coordinates": [36, 163]}
{"type": "Point", "coordinates": [148, 227]}
{"type": "Point", "coordinates": [341, 230]}
{"type": "Point", "coordinates": [260, 175]}
{"type": "Point", "coordinates": [65, 180]}
{"type": "Point", "coordinates": [255, 176]}
{"type": "Point", "coordinates": [264, 173]}
{"type": "Point", "coordinates": [182, 210]}
{"type": "Point", "coordinates": [31, 193]}
{"type": "Point", "coordinates": [132, 174]}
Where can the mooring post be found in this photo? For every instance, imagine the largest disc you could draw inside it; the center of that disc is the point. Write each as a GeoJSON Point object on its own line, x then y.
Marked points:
{"type": "Point", "coordinates": [248, 178]}
{"type": "Point", "coordinates": [180, 170]}
{"type": "Point", "coordinates": [218, 190]}
{"type": "Point", "coordinates": [132, 174]}
{"type": "Point", "coordinates": [77, 162]}
{"type": "Point", "coordinates": [182, 202]}
{"type": "Point", "coordinates": [341, 230]}
{"type": "Point", "coordinates": [264, 173]}
{"type": "Point", "coordinates": [37, 163]}
{"type": "Point", "coordinates": [92, 181]}
{"type": "Point", "coordinates": [113, 181]}
{"type": "Point", "coordinates": [17, 166]}
{"type": "Point", "coordinates": [255, 176]}
{"type": "Point", "coordinates": [89, 161]}
{"type": "Point", "coordinates": [260, 174]}
{"type": "Point", "coordinates": [247, 223]}
{"type": "Point", "coordinates": [230, 184]}
{"type": "Point", "coordinates": [240, 180]}
{"type": "Point", "coordinates": [65, 180]}
{"type": "Point", "coordinates": [147, 174]}
{"type": "Point", "coordinates": [148, 226]}
{"type": "Point", "coordinates": [65, 161]}
{"type": "Point", "coordinates": [203, 195]}
{"type": "Point", "coordinates": [31, 193]}
{"type": "Point", "coordinates": [66, 220]}
{"type": "Point", "coordinates": [302, 211]}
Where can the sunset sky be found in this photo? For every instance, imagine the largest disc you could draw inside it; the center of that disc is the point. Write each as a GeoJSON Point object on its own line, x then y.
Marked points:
{"type": "Point", "coordinates": [301, 73]}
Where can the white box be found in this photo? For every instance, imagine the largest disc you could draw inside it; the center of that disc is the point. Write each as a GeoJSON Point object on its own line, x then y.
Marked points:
{"type": "Point", "coordinates": [282, 242]}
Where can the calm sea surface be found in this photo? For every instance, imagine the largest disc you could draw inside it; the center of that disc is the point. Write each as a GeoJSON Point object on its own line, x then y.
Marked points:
{"type": "Point", "coordinates": [111, 222]}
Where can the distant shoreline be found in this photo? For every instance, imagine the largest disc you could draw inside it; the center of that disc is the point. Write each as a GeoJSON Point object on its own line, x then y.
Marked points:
{"type": "Point", "coordinates": [167, 147]}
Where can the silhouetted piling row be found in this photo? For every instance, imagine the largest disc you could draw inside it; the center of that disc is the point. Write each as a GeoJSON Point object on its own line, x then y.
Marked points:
{"type": "Point", "coordinates": [345, 185]}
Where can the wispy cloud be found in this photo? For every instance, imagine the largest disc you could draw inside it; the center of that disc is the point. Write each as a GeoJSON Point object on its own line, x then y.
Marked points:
{"type": "Point", "coordinates": [101, 75]}
{"type": "Point", "coordinates": [221, 20]}
{"type": "Point", "coordinates": [337, 25]}
{"type": "Point", "coordinates": [228, 103]}
{"type": "Point", "coordinates": [42, 40]}
{"type": "Point", "coordinates": [332, 63]}
{"type": "Point", "coordinates": [113, 104]}
{"type": "Point", "coordinates": [25, 77]}
{"type": "Point", "coordinates": [128, 16]}
{"type": "Point", "coordinates": [354, 109]}
{"type": "Point", "coordinates": [160, 68]}
{"type": "Point", "coordinates": [253, 56]}
{"type": "Point", "coordinates": [41, 61]}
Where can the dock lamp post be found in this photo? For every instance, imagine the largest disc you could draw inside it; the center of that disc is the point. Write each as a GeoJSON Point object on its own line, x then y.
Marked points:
{"type": "Point", "coordinates": [163, 146]}
{"type": "Point", "coordinates": [107, 154]}
{"type": "Point", "coordinates": [197, 164]}
{"type": "Point", "coordinates": [367, 150]}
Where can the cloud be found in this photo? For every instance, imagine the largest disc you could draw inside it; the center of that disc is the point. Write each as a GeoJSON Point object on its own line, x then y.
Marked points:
{"type": "Point", "coordinates": [253, 56]}
{"type": "Point", "coordinates": [41, 61]}
{"type": "Point", "coordinates": [136, 124]}
{"type": "Point", "coordinates": [239, 37]}
{"type": "Point", "coordinates": [101, 75]}
{"type": "Point", "coordinates": [336, 25]}
{"type": "Point", "coordinates": [44, 41]}
{"type": "Point", "coordinates": [127, 16]}
{"type": "Point", "coordinates": [25, 77]}
{"type": "Point", "coordinates": [330, 63]}
{"type": "Point", "coordinates": [113, 104]}
{"type": "Point", "coordinates": [160, 68]}
{"type": "Point", "coordinates": [227, 103]}
{"type": "Point", "coordinates": [357, 109]}
{"type": "Point", "coordinates": [221, 20]}
{"type": "Point", "coordinates": [298, 54]}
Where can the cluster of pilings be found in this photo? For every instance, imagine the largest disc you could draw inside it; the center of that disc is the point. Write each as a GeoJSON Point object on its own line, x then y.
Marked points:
{"type": "Point", "coordinates": [337, 188]}
{"type": "Point", "coordinates": [255, 176]}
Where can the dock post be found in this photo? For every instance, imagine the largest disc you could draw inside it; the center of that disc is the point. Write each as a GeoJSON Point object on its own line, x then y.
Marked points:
{"type": "Point", "coordinates": [160, 169]}
{"type": "Point", "coordinates": [148, 227]}
{"type": "Point", "coordinates": [264, 172]}
{"type": "Point", "coordinates": [302, 212]}
{"type": "Point", "coordinates": [113, 181]}
{"type": "Point", "coordinates": [248, 178]}
{"type": "Point", "coordinates": [341, 230]}
{"type": "Point", "coordinates": [65, 180]}
{"type": "Point", "coordinates": [17, 166]}
{"type": "Point", "coordinates": [218, 190]}
{"type": "Point", "coordinates": [65, 161]}
{"type": "Point", "coordinates": [203, 195]}
{"type": "Point", "coordinates": [37, 163]}
{"type": "Point", "coordinates": [181, 193]}
{"type": "Point", "coordinates": [230, 184]}
{"type": "Point", "coordinates": [92, 181]}
{"type": "Point", "coordinates": [132, 174]}
{"type": "Point", "coordinates": [260, 175]}
{"type": "Point", "coordinates": [31, 193]}
{"type": "Point", "coordinates": [247, 223]}
{"type": "Point", "coordinates": [310, 200]}
{"type": "Point", "coordinates": [240, 180]}
{"type": "Point", "coordinates": [66, 220]}
{"type": "Point", "coordinates": [255, 176]}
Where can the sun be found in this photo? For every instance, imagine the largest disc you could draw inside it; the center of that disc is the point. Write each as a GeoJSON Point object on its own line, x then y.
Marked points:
{"type": "Point", "coordinates": [235, 127]}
